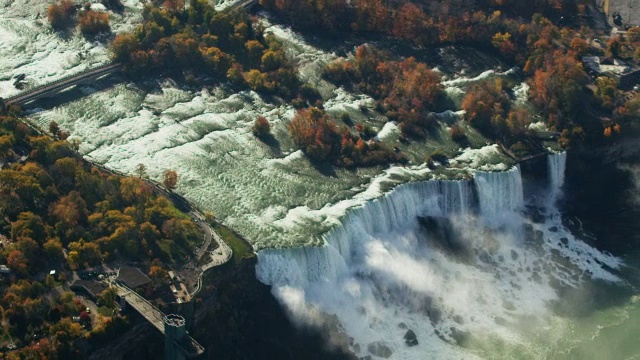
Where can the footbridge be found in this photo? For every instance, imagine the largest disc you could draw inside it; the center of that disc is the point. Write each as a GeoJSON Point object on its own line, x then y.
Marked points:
{"type": "Point", "coordinates": [246, 4]}
{"type": "Point", "coordinates": [55, 87]}
{"type": "Point", "coordinates": [180, 346]}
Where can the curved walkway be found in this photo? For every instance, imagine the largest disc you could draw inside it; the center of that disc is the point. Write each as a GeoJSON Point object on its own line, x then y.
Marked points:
{"type": "Point", "coordinates": [220, 255]}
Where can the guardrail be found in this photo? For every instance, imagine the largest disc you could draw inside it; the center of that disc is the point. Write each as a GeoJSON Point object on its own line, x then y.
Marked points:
{"type": "Point", "coordinates": [62, 82]}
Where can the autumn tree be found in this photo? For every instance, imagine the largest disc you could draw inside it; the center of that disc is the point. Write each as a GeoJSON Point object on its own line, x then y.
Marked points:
{"type": "Point", "coordinates": [486, 105]}
{"type": "Point", "coordinates": [123, 45]}
{"type": "Point", "coordinates": [17, 262]}
{"type": "Point", "coordinates": [93, 22]}
{"type": "Point", "coordinates": [502, 42]}
{"type": "Point", "coordinates": [157, 274]}
{"type": "Point", "coordinates": [409, 22]}
{"type": "Point", "coordinates": [170, 179]}
{"type": "Point", "coordinates": [580, 46]}
{"type": "Point", "coordinates": [108, 297]}
{"type": "Point", "coordinates": [61, 14]}
{"type": "Point", "coordinates": [6, 145]}
{"type": "Point", "coordinates": [607, 91]}
{"type": "Point", "coordinates": [54, 129]}
{"type": "Point", "coordinates": [457, 133]}
{"type": "Point", "coordinates": [317, 135]}
{"type": "Point", "coordinates": [261, 127]}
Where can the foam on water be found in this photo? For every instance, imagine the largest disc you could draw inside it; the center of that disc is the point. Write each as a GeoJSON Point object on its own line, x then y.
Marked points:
{"type": "Point", "coordinates": [499, 193]}
{"type": "Point", "coordinates": [29, 46]}
{"type": "Point", "coordinates": [381, 274]}
{"type": "Point", "coordinates": [555, 167]}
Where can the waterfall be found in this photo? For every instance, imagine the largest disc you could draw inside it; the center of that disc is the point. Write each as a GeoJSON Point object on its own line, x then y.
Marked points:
{"type": "Point", "coordinates": [381, 272]}
{"type": "Point", "coordinates": [499, 193]}
{"type": "Point", "coordinates": [556, 165]}
{"type": "Point", "coordinates": [301, 266]}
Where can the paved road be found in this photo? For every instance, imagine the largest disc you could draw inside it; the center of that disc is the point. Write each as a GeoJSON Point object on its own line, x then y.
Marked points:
{"type": "Point", "coordinates": [219, 256]}
{"type": "Point", "coordinates": [154, 316]}
{"type": "Point", "coordinates": [62, 84]}
{"type": "Point", "coordinates": [145, 308]}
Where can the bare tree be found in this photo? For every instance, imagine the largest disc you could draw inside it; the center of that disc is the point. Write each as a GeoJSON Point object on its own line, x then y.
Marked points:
{"type": "Point", "coordinates": [141, 170]}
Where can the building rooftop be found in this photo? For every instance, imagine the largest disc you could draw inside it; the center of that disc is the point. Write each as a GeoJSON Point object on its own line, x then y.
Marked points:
{"type": "Point", "coordinates": [132, 277]}
{"type": "Point", "coordinates": [602, 65]}
{"type": "Point", "coordinates": [92, 287]}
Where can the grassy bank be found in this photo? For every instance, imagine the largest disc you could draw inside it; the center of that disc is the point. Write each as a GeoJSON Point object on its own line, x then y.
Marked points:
{"type": "Point", "coordinates": [241, 248]}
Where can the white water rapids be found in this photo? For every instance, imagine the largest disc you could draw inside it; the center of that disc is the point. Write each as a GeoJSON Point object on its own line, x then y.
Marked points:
{"type": "Point", "coordinates": [381, 273]}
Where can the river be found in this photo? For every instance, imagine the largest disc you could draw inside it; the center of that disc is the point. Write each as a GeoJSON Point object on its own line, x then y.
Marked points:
{"type": "Point", "coordinates": [470, 262]}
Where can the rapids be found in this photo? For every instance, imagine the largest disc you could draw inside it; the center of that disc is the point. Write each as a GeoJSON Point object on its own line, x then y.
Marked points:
{"type": "Point", "coordinates": [384, 272]}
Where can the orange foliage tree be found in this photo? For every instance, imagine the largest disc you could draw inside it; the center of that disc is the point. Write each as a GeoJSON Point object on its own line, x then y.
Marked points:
{"type": "Point", "coordinates": [61, 14]}
{"type": "Point", "coordinates": [93, 22]}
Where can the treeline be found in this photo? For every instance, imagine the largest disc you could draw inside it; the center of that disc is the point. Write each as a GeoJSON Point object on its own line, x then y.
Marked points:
{"type": "Point", "coordinates": [39, 321]}
{"type": "Point", "coordinates": [405, 18]}
{"type": "Point", "coordinates": [548, 55]}
{"type": "Point", "coordinates": [317, 134]}
{"type": "Point", "coordinates": [56, 211]}
{"type": "Point", "coordinates": [200, 40]}
{"type": "Point", "coordinates": [406, 90]}
{"type": "Point", "coordinates": [54, 202]}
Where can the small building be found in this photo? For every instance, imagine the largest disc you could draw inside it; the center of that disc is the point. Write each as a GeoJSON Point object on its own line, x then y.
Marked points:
{"type": "Point", "coordinates": [627, 75]}
{"type": "Point", "coordinates": [91, 288]}
{"type": "Point", "coordinates": [4, 269]}
{"type": "Point", "coordinates": [132, 277]}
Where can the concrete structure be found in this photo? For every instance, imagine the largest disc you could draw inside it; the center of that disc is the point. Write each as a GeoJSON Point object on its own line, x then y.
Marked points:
{"type": "Point", "coordinates": [52, 89]}
{"type": "Point", "coordinates": [91, 288]}
{"type": "Point", "coordinates": [629, 11]}
{"type": "Point", "coordinates": [175, 333]}
{"type": "Point", "coordinates": [132, 277]}
{"type": "Point", "coordinates": [178, 341]}
{"type": "Point", "coordinates": [625, 74]}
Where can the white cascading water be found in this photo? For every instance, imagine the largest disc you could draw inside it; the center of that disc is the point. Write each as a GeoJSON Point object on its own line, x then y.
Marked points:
{"type": "Point", "coordinates": [382, 273]}
{"type": "Point", "coordinates": [556, 164]}
{"type": "Point", "coordinates": [301, 266]}
{"type": "Point", "coordinates": [499, 193]}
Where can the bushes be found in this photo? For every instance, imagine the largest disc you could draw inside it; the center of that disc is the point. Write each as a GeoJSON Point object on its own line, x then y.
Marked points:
{"type": "Point", "coordinates": [202, 41]}
{"type": "Point", "coordinates": [486, 106]}
{"type": "Point", "coordinates": [261, 127]}
{"type": "Point", "coordinates": [406, 90]}
{"type": "Point", "coordinates": [458, 134]}
{"type": "Point", "coordinates": [92, 23]}
{"type": "Point", "coordinates": [320, 138]}
{"type": "Point", "coordinates": [60, 15]}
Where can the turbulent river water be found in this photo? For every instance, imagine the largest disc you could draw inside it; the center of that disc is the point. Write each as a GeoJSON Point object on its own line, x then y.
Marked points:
{"type": "Point", "coordinates": [479, 279]}
{"type": "Point", "coordinates": [475, 267]}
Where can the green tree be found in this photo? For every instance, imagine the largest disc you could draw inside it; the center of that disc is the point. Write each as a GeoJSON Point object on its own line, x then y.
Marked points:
{"type": "Point", "coordinates": [108, 297]}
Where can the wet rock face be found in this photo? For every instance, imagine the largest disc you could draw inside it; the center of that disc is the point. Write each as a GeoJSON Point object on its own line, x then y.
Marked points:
{"type": "Point", "coordinates": [440, 233]}
{"type": "Point", "coordinates": [599, 179]}
{"type": "Point", "coordinates": [410, 338]}
{"type": "Point", "coordinates": [238, 318]}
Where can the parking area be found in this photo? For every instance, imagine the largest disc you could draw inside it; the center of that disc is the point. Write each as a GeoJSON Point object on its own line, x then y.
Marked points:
{"type": "Point", "coordinates": [629, 11]}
